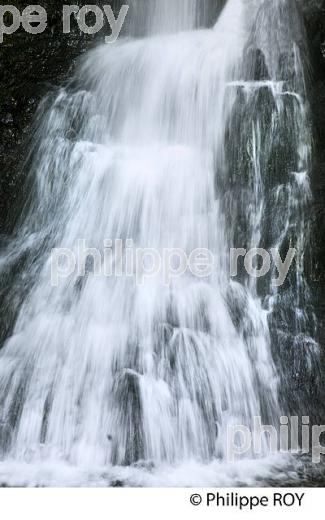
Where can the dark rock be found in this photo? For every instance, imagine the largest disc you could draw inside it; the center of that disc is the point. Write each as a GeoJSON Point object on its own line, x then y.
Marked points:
{"type": "Point", "coordinates": [117, 483]}
{"type": "Point", "coordinates": [7, 119]}
{"type": "Point", "coordinates": [30, 67]}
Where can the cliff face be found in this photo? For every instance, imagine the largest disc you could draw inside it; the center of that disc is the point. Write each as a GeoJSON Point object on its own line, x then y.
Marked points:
{"type": "Point", "coordinates": [30, 66]}
{"type": "Point", "coordinates": [314, 14]}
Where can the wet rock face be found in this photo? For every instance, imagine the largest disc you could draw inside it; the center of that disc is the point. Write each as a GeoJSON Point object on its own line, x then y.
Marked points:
{"type": "Point", "coordinates": [30, 66]}
{"type": "Point", "coordinates": [314, 18]}
{"type": "Point", "coordinates": [314, 14]}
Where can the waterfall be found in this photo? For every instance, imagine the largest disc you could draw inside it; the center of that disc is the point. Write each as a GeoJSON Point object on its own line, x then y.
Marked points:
{"type": "Point", "coordinates": [195, 135]}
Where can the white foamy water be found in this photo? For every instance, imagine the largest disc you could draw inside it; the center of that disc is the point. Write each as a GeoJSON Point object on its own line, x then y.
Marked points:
{"type": "Point", "coordinates": [103, 379]}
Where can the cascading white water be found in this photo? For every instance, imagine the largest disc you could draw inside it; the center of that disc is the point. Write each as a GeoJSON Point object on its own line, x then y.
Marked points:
{"type": "Point", "coordinates": [101, 372]}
